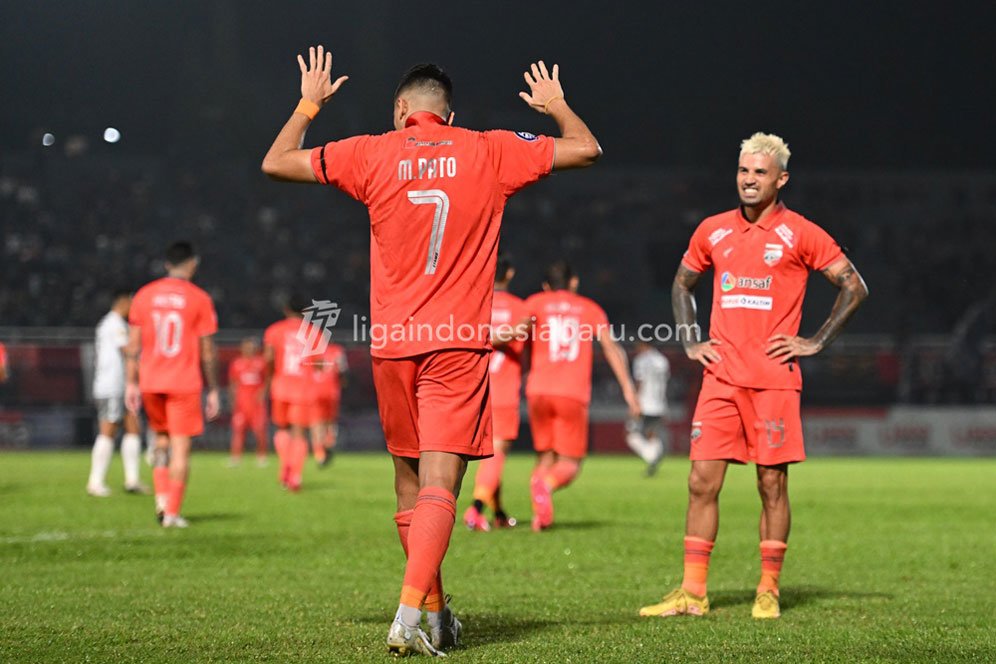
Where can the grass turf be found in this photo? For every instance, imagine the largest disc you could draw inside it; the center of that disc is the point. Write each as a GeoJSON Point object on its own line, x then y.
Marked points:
{"type": "Point", "coordinates": [890, 560]}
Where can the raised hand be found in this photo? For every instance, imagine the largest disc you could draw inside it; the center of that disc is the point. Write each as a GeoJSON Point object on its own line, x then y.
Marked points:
{"type": "Point", "coordinates": [544, 87]}
{"type": "Point", "coordinates": [316, 77]}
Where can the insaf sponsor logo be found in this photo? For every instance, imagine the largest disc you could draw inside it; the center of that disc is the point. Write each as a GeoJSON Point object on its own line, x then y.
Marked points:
{"type": "Point", "coordinates": [728, 281]}
{"type": "Point", "coordinates": [760, 303]}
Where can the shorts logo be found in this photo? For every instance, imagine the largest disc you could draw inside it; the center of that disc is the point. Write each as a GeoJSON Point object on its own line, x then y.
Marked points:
{"type": "Point", "coordinates": [727, 282]}
{"type": "Point", "coordinates": [776, 432]}
{"type": "Point", "coordinates": [772, 254]}
{"type": "Point", "coordinates": [315, 331]}
{"type": "Point", "coordinates": [696, 431]}
{"type": "Point", "coordinates": [756, 302]}
{"type": "Point", "coordinates": [525, 135]}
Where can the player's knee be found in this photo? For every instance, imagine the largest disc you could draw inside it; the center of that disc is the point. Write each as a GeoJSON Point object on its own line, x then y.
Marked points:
{"type": "Point", "coordinates": [771, 487]}
{"type": "Point", "coordinates": [703, 487]}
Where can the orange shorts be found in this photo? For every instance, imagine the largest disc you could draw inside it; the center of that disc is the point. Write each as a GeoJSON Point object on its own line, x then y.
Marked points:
{"type": "Point", "coordinates": [175, 414]}
{"type": "Point", "coordinates": [559, 424]}
{"type": "Point", "coordinates": [505, 422]}
{"type": "Point", "coordinates": [286, 413]}
{"type": "Point", "coordinates": [249, 413]}
{"type": "Point", "coordinates": [435, 402]}
{"type": "Point", "coordinates": [325, 410]}
{"type": "Point", "coordinates": [746, 425]}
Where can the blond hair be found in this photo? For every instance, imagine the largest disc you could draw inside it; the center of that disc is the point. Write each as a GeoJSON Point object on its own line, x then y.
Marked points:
{"type": "Point", "coordinates": [761, 143]}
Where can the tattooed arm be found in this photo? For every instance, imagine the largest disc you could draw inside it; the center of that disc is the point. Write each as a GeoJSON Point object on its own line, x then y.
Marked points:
{"type": "Point", "coordinates": [687, 330]}
{"type": "Point", "coordinates": [853, 292]}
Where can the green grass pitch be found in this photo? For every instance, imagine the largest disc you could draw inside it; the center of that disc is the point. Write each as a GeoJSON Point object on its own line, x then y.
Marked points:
{"type": "Point", "coordinates": [889, 560]}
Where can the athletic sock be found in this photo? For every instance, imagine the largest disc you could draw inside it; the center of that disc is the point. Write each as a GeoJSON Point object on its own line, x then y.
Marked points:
{"type": "Point", "coordinates": [238, 441]}
{"type": "Point", "coordinates": [298, 457]}
{"type": "Point", "coordinates": [428, 539]}
{"type": "Point", "coordinates": [697, 552]}
{"type": "Point", "coordinates": [488, 478]}
{"type": "Point", "coordinates": [131, 457]}
{"type": "Point", "coordinates": [100, 460]}
{"type": "Point", "coordinates": [772, 557]}
{"type": "Point", "coordinates": [403, 520]}
{"type": "Point", "coordinates": [160, 485]}
{"type": "Point", "coordinates": [281, 443]}
{"type": "Point", "coordinates": [175, 499]}
{"type": "Point", "coordinates": [411, 616]}
{"type": "Point", "coordinates": [561, 474]}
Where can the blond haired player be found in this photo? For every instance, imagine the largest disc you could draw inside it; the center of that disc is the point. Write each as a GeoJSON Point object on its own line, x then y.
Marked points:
{"type": "Point", "coordinates": [748, 409]}
{"type": "Point", "coordinates": [436, 194]}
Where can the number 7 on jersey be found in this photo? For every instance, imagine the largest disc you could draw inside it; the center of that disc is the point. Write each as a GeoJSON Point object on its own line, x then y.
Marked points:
{"type": "Point", "coordinates": [438, 198]}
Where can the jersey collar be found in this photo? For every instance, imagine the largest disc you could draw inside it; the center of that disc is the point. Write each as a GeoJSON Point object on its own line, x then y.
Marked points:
{"type": "Point", "coordinates": [765, 223]}
{"type": "Point", "coordinates": [423, 118]}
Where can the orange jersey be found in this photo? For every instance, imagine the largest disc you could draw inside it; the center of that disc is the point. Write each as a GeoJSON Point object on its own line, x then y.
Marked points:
{"type": "Point", "coordinates": [247, 376]}
{"type": "Point", "coordinates": [760, 281]}
{"type": "Point", "coordinates": [507, 311]}
{"type": "Point", "coordinates": [327, 377]}
{"type": "Point", "coordinates": [436, 195]}
{"type": "Point", "coordinates": [3, 356]}
{"type": "Point", "coordinates": [565, 327]}
{"type": "Point", "coordinates": [173, 315]}
{"type": "Point", "coordinates": [292, 369]}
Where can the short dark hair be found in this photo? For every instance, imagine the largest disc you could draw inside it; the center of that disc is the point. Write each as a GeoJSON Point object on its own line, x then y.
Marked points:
{"type": "Point", "coordinates": [426, 77]}
{"type": "Point", "coordinates": [559, 275]}
{"type": "Point", "coordinates": [297, 303]}
{"type": "Point", "coordinates": [505, 263]}
{"type": "Point", "coordinates": [121, 292]}
{"type": "Point", "coordinates": [180, 252]}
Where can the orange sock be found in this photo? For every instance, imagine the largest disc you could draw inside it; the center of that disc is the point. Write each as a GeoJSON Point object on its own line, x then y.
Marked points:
{"type": "Point", "coordinates": [488, 478]}
{"type": "Point", "coordinates": [428, 539]}
{"type": "Point", "coordinates": [772, 557]}
{"type": "Point", "coordinates": [298, 455]}
{"type": "Point", "coordinates": [280, 441]}
{"type": "Point", "coordinates": [436, 598]}
{"type": "Point", "coordinates": [697, 552]}
{"type": "Point", "coordinates": [160, 482]}
{"type": "Point", "coordinates": [561, 474]}
{"type": "Point", "coordinates": [175, 500]}
{"type": "Point", "coordinates": [238, 441]}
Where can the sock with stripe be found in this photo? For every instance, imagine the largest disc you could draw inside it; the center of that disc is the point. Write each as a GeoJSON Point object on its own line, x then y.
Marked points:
{"type": "Point", "coordinates": [428, 539]}
{"type": "Point", "coordinates": [772, 557]}
{"type": "Point", "coordinates": [175, 498]}
{"type": "Point", "coordinates": [697, 553]}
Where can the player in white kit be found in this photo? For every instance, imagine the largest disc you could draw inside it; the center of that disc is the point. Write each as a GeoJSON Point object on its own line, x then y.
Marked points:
{"type": "Point", "coordinates": [108, 395]}
{"type": "Point", "coordinates": [651, 371]}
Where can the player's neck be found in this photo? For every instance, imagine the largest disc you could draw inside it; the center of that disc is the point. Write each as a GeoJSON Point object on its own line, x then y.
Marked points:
{"type": "Point", "coordinates": [178, 274]}
{"type": "Point", "coordinates": [501, 287]}
{"type": "Point", "coordinates": [755, 213]}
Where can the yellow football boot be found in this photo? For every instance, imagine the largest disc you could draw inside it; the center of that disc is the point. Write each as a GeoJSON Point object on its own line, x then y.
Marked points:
{"type": "Point", "coordinates": [766, 606]}
{"type": "Point", "coordinates": [678, 602]}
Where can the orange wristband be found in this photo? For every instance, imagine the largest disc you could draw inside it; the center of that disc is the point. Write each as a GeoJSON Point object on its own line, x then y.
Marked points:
{"type": "Point", "coordinates": [546, 106]}
{"type": "Point", "coordinates": [308, 107]}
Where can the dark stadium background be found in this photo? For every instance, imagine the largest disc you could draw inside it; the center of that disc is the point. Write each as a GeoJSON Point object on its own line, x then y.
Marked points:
{"type": "Point", "coordinates": [887, 108]}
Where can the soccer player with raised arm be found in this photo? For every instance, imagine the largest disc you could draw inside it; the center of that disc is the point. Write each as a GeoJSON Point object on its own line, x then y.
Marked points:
{"type": "Point", "coordinates": [247, 389]}
{"type": "Point", "coordinates": [108, 394]}
{"type": "Point", "coordinates": [291, 388]}
{"type": "Point", "coordinates": [558, 389]}
{"type": "Point", "coordinates": [171, 341]}
{"type": "Point", "coordinates": [748, 410]}
{"type": "Point", "coordinates": [435, 194]}
{"type": "Point", "coordinates": [505, 369]}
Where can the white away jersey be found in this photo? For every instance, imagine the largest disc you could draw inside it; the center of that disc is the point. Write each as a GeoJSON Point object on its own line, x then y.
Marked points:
{"type": "Point", "coordinates": [651, 370]}
{"type": "Point", "coordinates": [109, 370]}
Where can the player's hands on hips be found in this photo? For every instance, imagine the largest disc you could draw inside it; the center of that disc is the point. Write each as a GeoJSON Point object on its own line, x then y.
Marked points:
{"type": "Point", "coordinates": [544, 87]}
{"type": "Point", "coordinates": [316, 76]}
{"type": "Point", "coordinates": [786, 347]}
{"type": "Point", "coordinates": [213, 405]}
{"type": "Point", "coordinates": [133, 397]}
{"type": "Point", "coordinates": [704, 352]}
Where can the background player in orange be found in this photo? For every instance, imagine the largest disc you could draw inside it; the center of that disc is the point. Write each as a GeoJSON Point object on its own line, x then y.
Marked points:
{"type": "Point", "coordinates": [291, 390]}
{"type": "Point", "coordinates": [436, 194]}
{"type": "Point", "coordinates": [558, 389]}
{"type": "Point", "coordinates": [247, 390]}
{"type": "Point", "coordinates": [4, 372]}
{"type": "Point", "coordinates": [329, 379]}
{"type": "Point", "coordinates": [505, 370]}
{"type": "Point", "coordinates": [172, 326]}
{"type": "Point", "coordinates": [748, 408]}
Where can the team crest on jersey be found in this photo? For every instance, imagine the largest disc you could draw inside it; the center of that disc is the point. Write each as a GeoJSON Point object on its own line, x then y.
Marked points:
{"type": "Point", "coordinates": [525, 135]}
{"type": "Point", "coordinates": [772, 254]}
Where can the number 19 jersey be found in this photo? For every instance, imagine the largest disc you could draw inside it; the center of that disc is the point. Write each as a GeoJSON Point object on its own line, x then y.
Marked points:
{"type": "Point", "coordinates": [436, 195]}
{"type": "Point", "coordinates": [173, 315]}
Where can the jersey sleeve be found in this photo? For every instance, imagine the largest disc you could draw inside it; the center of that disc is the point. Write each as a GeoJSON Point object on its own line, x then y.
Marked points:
{"type": "Point", "coordinates": [207, 318]}
{"type": "Point", "coordinates": [270, 337]}
{"type": "Point", "coordinates": [343, 164]}
{"type": "Point", "coordinates": [137, 311]}
{"type": "Point", "coordinates": [698, 256]}
{"type": "Point", "coordinates": [817, 249]}
{"type": "Point", "coordinates": [519, 158]}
